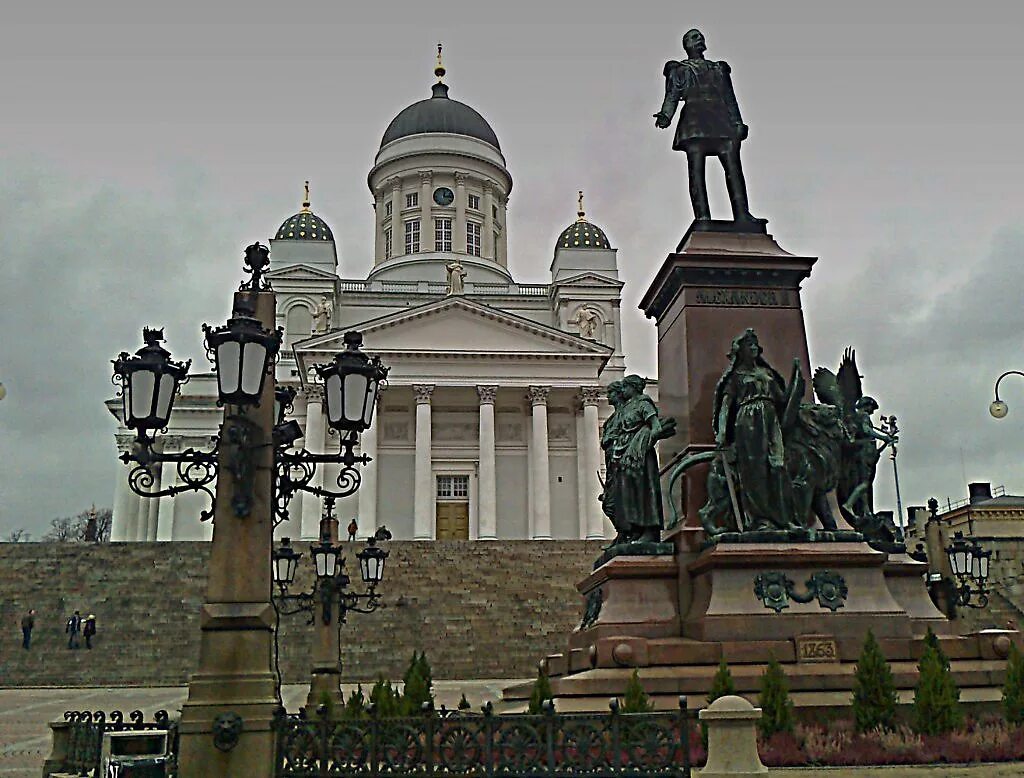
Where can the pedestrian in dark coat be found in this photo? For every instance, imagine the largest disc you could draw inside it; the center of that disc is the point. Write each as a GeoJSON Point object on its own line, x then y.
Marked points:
{"type": "Point", "coordinates": [89, 631]}
{"type": "Point", "coordinates": [28, 621]}
{"type": "Point", "coordinates": [73, 628]}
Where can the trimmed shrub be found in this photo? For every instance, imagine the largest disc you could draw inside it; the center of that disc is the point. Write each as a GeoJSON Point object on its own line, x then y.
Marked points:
{"type": "Point", "coordinates": [936, 696]}
{"type": "Point", "coordinates": [874, 691]}
{"type": "Point", "coordinates": [636, 699]}
{"type": "Point", "coordinates": [417, 689]}
{"type": "Point", "coordinates": [541, 692]}
{"type": "Point", "coordinates": [355, 706]}
{"type": "Point", "coordinates": [1013, 689]}
{"type": "Point", "coordinates": [776, 706]}
{"type": "Point", "coordinates": [387, 703]}
{"type": "Point", "coordinates": [721, 686]}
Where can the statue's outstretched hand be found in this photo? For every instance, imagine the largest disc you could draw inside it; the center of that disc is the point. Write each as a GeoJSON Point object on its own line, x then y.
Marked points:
{"type": "Point", "coordinates": [741, 131]}
{"type": "Point", "coordinates": [662, 121]}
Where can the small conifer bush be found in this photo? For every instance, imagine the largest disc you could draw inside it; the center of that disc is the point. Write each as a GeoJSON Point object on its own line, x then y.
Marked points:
{"type": "Point", "coordinates": [776, 706]}
{"type": "Point", "coordinates": [1013, 690]}
{"type": "Point", "coordinates": [541, 692]}
{"type": "Point", "coordinates": [874, 691]}
{"type": "Point", "coordinates": [721, 686]}
{"type": "Point", "coordinates": [636, 699]}
{"type": "Point", "coordinates": [936, 696]}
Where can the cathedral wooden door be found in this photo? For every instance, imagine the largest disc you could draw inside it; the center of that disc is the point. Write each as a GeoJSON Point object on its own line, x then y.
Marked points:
{"type": "Point", "coordinates": [453, 521]}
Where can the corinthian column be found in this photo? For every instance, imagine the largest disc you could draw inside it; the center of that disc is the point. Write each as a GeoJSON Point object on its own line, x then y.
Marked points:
{"type": "Point", "coordinates": [589, 452]}
{"type": "Point", "coordinates": [368, 489]}
{"type": "Point", "coordinates": [423, 496]}
{"type": "Point", "coordinates": [487, 528]}
{"type": "Point", "coordinates": [426, 222]}
{"type": "Point", "coordinates": [541, 481]}
{"type": "Point", "coordinates": [314, 444]}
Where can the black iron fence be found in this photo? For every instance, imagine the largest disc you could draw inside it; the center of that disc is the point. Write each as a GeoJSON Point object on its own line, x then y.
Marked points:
{"type": "Point", "coordinates": [486, 745]}
{"type": "Point", "coordinates": [85, 737]}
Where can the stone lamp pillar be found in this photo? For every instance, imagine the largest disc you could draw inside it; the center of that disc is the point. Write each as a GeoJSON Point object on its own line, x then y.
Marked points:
{"type": "Point", "coordinates": [732, 739]}
{"type": "Point", "coordinates": [226, 720]}
{"type": "Point", "coordinates": [325, 678]}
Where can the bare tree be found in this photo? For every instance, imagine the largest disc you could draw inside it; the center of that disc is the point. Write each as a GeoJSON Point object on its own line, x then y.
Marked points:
{"type": "Point", "coordinates": [89, 526]}
{"type": "Point", "coordinates": [18, 536]}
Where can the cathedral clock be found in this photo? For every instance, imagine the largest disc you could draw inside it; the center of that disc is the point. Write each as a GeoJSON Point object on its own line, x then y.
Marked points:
{"type": "Point", "coordinates": [444, 196]}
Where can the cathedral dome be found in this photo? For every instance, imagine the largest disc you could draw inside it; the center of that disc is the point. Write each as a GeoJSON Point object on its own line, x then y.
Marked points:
{"type": "Point", "coordinates": [582, 234]}
{"type": "Point", "coordinates": [305, 225]}
{"type": "Point", "coordinates": [440, 114]}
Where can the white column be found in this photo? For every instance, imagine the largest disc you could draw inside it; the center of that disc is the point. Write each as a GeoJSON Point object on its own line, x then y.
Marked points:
{"type": "Point", "coordinates": [589, 451]}
{"type": "Point", "coordinates": [582, 514]}
{"type": "Point", "coordinates": [423, 495]}
{"type": "Point", "coordinates": [379, 196]}
{"type": "Point", "coordinates": [529, 476]}
{"type": "Point", "coordinates": [461, 203]}
{"type": "Point", "coordinates": [487, 238]}
{"type": "Point", "coordinates": [538, 396]}
{"type": "Point", "coordinates": [165, 514]}
{"type": "Point", "coordinates": [426, 221]}
{"type": "Point", "coordinates": [126, 503]}
{"type": "Point", "coordinates": [367, 516]}
{"type": "Point", "coordinates": [142, 519]}
{"type": "Point", "coordinates": [313, 443]}
{"type": "Point", "coordinates": [502, 252]}
{"type": "Point", "coordinates": [397, 228]}
{"type": "Point", "coordinates": [153, 506]}
{"type": "Point", "coordinates": [488, 503]}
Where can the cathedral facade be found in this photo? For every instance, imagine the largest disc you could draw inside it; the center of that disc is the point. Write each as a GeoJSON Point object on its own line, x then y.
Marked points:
{"type": "Point", "coordinates": [490, 425]}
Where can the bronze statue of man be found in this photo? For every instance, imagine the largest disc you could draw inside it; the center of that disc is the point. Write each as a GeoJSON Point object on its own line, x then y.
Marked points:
{"type": "Point", "coordinates": [709, 123]}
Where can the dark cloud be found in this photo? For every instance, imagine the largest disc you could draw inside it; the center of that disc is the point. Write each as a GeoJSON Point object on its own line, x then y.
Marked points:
{"type": "Point", "coordinates": [142, 149]}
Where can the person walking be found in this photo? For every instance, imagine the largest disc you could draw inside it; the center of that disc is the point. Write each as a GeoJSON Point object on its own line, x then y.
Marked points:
{"type": "Point", "coordinates": [89, 631]}
{"type": "Point", "coordinates": [73, 628]}
{"type": "Point", "coordinates": [353, 528]}
{"type": "Point", "coordinates": [28, 621]}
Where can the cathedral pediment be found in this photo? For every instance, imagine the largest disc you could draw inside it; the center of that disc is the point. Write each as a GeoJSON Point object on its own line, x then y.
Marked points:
{"type": "Point", "coordinates": [589, 279]}
{"type": "Point", "coordinates": [457, 326]}
{"type": "Point", "coordinates": [301, 273]}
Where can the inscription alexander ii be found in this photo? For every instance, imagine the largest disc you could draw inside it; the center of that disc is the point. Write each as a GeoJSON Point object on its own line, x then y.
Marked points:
{"type": "Point", "coordinates": [743, 298]}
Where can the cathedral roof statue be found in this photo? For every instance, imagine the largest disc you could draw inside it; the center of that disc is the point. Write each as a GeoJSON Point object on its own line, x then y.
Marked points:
{"type": "Point", "coordinates": [439, 113]}
{"type": "Point", "coordinates": [305, 225]}
{"type": "Point", "coordinates": [582, 234]}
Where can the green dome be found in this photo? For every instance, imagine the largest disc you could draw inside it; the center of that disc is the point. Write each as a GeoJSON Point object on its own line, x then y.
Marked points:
{"type": "Point", "coordinates": [305, 225]}
{"type": "Point", "coordinates": [582, 235]}
{"type": "Point", "coordinates": [439, 113]}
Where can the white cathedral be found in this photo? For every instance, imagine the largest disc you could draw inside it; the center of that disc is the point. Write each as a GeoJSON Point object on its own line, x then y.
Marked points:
{"type": "Point", "coordinates": [490, 426]}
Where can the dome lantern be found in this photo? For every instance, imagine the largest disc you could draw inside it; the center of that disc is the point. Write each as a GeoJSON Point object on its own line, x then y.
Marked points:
{"type": "Point", "coordinates": [582, 234]}
{"type": "Point", "coordinates": [305, 225]}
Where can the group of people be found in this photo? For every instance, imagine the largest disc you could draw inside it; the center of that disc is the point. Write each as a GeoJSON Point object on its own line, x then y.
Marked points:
{"type": "Point", "coordinates": [75, 628]}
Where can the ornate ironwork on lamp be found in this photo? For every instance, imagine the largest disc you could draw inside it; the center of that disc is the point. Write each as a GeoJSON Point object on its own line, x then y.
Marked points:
{"type": "Point", "coordinates": [970, 564]}
{"type": "Point", "coordinates": [331, 584]}
{"type": "Point", "coordinates": [243, 352]}
{"type": "Point", "coordinates": [148, 383]}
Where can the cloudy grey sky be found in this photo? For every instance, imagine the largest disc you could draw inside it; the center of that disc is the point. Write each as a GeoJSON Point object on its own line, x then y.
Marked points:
{"type": "Point", "coordinates": [143, 146]}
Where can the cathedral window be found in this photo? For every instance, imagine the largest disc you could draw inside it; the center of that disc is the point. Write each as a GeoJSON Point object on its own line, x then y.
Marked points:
{"type": "Point", "coordinates": [474, 202]}
{"type": "Point", "coordinates": [387, 243]}
{"type": "Point", "coordinates": [453, 486]}
{"type": "Point", "coordinates": [387, 208]}
{"type": "Point", "coordinates": [442, 234]}
{"type": "Point", "coordinates": [412, 236]}
{"type": "Point", "coordinates": [473, 239]}
{"type": "Point", "coordinates": [412, 199]}
{"type": "Point", "coordinates": [494, 211]}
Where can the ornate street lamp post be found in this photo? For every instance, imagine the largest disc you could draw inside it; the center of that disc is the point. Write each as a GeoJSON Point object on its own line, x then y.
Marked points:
{"type": "Point", "coordinates": [226, 722]}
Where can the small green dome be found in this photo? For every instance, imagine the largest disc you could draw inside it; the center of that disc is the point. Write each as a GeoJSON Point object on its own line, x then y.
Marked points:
{"type": "Point", "coordinates": [582, 235]}
{"type": "Point", "coordinates": [305, 225]}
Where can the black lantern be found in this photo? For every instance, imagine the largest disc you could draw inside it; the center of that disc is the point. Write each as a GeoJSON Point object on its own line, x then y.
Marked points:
{"type": "Point", "coordinates": [242, 352]}
{"type": "Point", "coordinates": [351, 385]}
{"type": "Point", "coordinates": [149, 381]}
{"type": "Point", "coordinates": [285, 563]}
{"type": "Point", "coordinates": [371, 563]}
{"type": "Point", "coordinates": [969, 563]}
{"type": "Point", "coordinates": [326, 559]}
{"type": "Point", "coordinates": [285, 432]}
